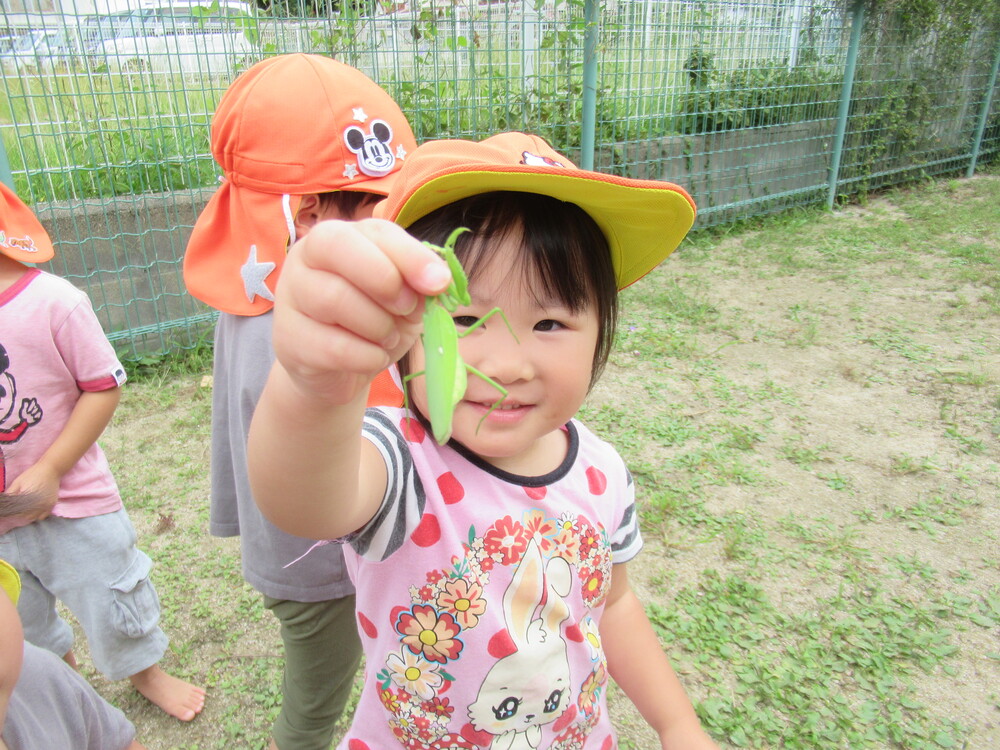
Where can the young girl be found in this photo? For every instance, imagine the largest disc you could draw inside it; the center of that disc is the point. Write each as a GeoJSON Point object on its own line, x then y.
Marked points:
{"type": "Point", "coordinates": [493, 596]}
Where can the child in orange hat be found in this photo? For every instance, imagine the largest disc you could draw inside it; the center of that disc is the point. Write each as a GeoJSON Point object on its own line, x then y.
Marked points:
{"type": "Point", "coordinates": [492, 571]}
{"type": "Point", "coordinates": [300, 138]}
{"type": "Point", "coordinates": [70, 536]}
{"type": "Point", "coordinates": [44, 703]}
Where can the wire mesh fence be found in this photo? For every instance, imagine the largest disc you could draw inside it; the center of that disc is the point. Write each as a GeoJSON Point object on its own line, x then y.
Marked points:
{"type": "Point", "coordinates": [754, 106]}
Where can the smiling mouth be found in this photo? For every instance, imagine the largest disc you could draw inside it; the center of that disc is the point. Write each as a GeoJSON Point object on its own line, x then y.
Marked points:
{"type": "Point", "coordinates": [507, 407]}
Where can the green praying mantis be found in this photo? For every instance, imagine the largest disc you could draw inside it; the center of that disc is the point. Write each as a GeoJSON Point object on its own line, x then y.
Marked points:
{"type": "Point", "coordinates": [445, 372]}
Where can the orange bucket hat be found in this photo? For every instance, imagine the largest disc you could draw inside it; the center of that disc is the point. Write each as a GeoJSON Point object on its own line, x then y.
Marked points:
{"type": "Point", "coordinates": [289, 126]}
{"type": "Point", "coordinates": [22, 236]}
{"type": "Point", "coordinates": [643, 220]}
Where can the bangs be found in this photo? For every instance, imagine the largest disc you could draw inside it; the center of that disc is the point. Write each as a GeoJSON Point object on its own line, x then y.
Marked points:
{"type": "Point", "coordinates": [557, 244]}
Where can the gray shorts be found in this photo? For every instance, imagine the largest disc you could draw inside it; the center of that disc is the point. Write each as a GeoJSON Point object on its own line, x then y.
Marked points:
{"type": "Point", "coordinates": [93, 567]}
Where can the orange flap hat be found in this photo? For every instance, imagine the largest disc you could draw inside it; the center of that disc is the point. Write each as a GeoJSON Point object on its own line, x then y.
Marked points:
{"type": "Point", "coordinates": [289, 126]}
{"type": "Point", "coordinates": [643, 220]}
{"type": "Point", "coordinates": [22, 236]}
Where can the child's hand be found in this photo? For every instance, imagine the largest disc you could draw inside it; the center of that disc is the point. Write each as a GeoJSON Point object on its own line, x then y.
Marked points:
{"type": "Point", "coordinates": [349, 304]}
{"type": "Point", "coordinates": [40, 484]}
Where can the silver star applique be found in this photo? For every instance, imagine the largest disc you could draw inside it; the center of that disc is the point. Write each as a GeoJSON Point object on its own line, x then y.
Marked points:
{"type": "Point", "coordinates": [350, 171]}
{"type": "Point", "coordinates": [400, 152]}
{"type": "Point", "coordinates": [359, 114]}
{"type": "Point", "coordinates": [253, 274]}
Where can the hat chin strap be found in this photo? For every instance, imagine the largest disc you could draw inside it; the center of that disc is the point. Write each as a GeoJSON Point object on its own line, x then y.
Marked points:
{"type": "Point", "coordinates": [286, 209]}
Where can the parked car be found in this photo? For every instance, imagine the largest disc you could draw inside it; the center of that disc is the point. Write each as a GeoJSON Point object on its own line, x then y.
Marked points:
{"type": "Point", "coordinates": [172, 36]}
{"type": "Point", "coordinates": [40, 50]}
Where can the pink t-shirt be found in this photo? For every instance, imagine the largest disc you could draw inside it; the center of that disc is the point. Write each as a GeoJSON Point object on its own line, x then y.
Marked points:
{"type": "Point", "coordinates": [480, 593]}
{"type": "Point", "coordinates": [52, 349]}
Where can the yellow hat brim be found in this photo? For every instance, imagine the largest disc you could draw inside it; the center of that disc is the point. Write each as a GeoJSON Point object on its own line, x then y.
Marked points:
{"type": "Point", "coordinates": [10, 581]}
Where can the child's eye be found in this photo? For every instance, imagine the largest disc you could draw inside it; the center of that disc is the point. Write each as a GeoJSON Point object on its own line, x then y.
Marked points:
{"type": "Point", "coordinates": [465, 321]}
{"type": "Point", "coordinates": [548, 325]}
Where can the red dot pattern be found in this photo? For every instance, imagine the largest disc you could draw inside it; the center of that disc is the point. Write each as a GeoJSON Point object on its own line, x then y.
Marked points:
{"type": "Point", "coordinates": [535, 493]}
{"type": "Point", "coordinates": [412, 430]}
{"type": "Point", "coordinates": [501, 645]}
{"type": "Point", "coordinates": [451, 489]}
{"type": "Point", "coordinates": [596, 480]}
{"type": "Point", "coordinates": [428, 533]}
{"type": "Point", "coordinates": [367, 626]}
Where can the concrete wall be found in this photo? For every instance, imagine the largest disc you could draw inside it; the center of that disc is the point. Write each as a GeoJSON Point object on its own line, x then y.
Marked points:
{"type": "Point", "coordinates": [126, 254]}
{"type": "Point", "coordinates": [733, 172]}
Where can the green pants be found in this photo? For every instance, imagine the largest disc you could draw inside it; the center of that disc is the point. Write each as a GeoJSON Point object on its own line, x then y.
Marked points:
{"type": "Point", "coordinates": [322, 654]}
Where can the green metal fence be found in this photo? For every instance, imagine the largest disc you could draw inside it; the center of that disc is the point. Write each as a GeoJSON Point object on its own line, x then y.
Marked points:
{"type": "Point", "coordinates": [753, 106]}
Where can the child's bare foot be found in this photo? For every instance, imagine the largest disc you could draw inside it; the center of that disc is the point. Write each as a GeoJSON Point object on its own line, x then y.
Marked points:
{"type": "Point", "coordinates": [180, 699]}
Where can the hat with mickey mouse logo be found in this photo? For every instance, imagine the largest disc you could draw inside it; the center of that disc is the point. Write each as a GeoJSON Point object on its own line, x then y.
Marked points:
{"type": "Point", "coordinates": [289, 126]}
{"type": "Point", "coordinates": [22, 236]}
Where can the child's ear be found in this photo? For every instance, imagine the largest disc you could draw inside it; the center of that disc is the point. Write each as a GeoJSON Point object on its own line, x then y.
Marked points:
{"type": "Point", "coordinates": [308, 214]}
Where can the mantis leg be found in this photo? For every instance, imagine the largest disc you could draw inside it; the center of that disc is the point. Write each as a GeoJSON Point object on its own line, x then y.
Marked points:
{"type": "Point", "coordinates": [487, 316]}
{"type": "Point", "coordinates": [495, 384]}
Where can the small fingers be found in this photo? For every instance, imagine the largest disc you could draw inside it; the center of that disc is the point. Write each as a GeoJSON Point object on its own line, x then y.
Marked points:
{"type": "Point", "coordinates": [349, 302]}
{"type": "Point", "coordinates": [331, 300]}
{"type": "Point", "coordinates": [380, 259]}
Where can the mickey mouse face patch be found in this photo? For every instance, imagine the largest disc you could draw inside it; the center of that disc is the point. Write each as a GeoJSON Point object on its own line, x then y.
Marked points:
{"type": "Point", "coordinates": [375, 157]}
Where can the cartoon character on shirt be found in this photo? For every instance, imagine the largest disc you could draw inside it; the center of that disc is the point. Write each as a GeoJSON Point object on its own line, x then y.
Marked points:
{"type": "Point", "coordinates": [529, 687]}
{"type": "Point", "coordinates": [15, 419]}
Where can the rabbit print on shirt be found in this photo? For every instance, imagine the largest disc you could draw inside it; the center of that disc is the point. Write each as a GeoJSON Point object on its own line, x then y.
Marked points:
{"type": "Point", "coordinates": [531, 686]}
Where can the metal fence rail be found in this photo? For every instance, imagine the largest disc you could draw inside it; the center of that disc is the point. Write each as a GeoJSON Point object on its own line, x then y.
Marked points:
{"type": "Point", "coordinates": [754, 106]}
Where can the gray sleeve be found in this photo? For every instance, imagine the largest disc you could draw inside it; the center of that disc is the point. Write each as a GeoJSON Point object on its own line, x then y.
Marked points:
{"type": "Point", "coordinates": [54, 707]}
{"type": "Point", "coordinates": [403, 504]}
{"type": "Point", "coordinates": [626, 540]}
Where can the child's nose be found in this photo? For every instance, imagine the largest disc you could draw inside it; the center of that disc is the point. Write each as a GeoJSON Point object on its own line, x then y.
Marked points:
{"type": "Point", "coordinates": [502, 356]}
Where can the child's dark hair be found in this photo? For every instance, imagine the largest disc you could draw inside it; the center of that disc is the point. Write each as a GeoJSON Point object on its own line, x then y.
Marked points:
{"type": "Point", "coordinates": [347, 202]}
{"type": "Point", "coordinates": [562, 249]}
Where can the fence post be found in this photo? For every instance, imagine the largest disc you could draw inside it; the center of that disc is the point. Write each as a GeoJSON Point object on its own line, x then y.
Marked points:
{"type": "Point", "coordinates": [984, 115]}
{"type": "Point", "coordinates": [857, 21]}
{"type": "Point", "coordinates": [591, 18]}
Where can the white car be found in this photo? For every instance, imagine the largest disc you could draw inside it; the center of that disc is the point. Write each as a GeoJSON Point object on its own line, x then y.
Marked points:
{"type": "Point", "coordinates": [40, 50]}
{"type": "Point", "coordinates": [173, 36]}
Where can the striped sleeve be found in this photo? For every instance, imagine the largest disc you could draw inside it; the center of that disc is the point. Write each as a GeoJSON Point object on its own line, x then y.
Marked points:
{"type": "Point", "coordinates": [403, 504]}
{"type": "Point", "coordinates": [626, 540]}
